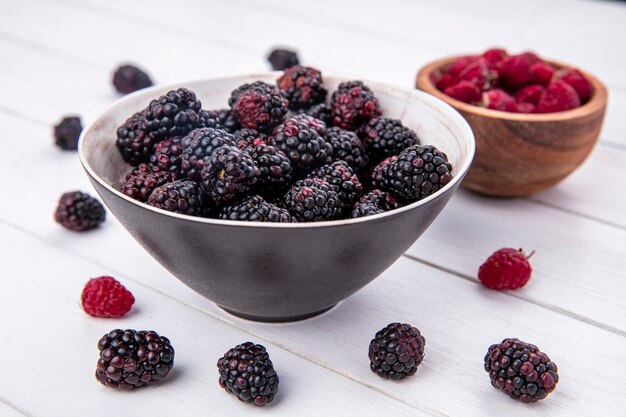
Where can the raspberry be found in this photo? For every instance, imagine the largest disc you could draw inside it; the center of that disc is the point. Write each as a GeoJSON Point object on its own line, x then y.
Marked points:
{"type": "Point", "coordinates": [465, 91]}
{"type": "Point", "coordinates": [258, 106]}
{"type": "Point", "coordinates": [302, 86]}
{"type": "Point", "coordinates": [281, 59]}
{"type": "Point", "coordinates": [505, 269]}
{"type": "Point", "coordinates": [129, 78]}
{"type": "Point", "coordinates": [79, 211]}
{"type": "Point", "coordinates": [396, 351]}
{"type": "Point", "coordinates": [312, 200]}
{"type": "Point", "coordinates": [106, 297]}
{"type": "Point", "coordinates": [384, 137]}
{"type": "Point", "coordinates": [445, 81]}
{"type": "Point", "coordinates": [559, 96]}
{"type": "Point", "coordinates": [67, 132]}
{"type": "Point", "coordinates": [459, 64]}
{"type": "Point", "coordinates": [497, 99]}
{"type": "Point", "coordinates": [526, 108]}
{"type": "Point", "coordinates": [478, 73]}
{"type": "Point", "coordinates": [495, 55]}
{"type": "Point", "coordinates": [578, 81]}
{"type": "Point", "coordinates": [514, 71]}
{"type": "Point", "coordinates": [530, 94]}
{"type": "Point", "coordinates": [541, 73]}
{"type": "Point", "coordinates": [353, 104]}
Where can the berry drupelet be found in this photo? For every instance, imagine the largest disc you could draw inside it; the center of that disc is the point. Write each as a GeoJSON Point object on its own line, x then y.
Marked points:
{"type": "Point", "coordinates": [342, 180]}
{"type": "Point", "coordinates": [275, 171]}
{"type": "Point", "coordinates": [281, 59]}
{"type": "Point", "coordinates": [185, 197]}
{"type": "Point", "coordinates": [129, 78]}
{"type": "Point", "coordinates": [140, 184]}
{"type": "Point", "coordinates": [312, 200]}
{"type": "Point", "coordinates": [67, 132]}
{"type": "Point", "coordinates": [376, 177]}
{"type": "Point", "coordinates": [167, 156]}
{"type": "Point", "coordinates": [353, 104]}
{"type": "Point", "coordinates": [227, 173]}
{"type": "Point", "coordinates": [249, 138]}
{"type": "Point", "coordinates": [347, 147]}
{"type": "Point", "coordinates": [505, 269]}
{"type": "Point", "coordinates": [302, 86]}
{"type": "Point", "coordinates": [521, 370]}
{"type": "Point", "coordinates": [374, 202]}
{"type": "Point", "coordinates": [133, 140]}
{"type": "Point", "coordinates": [132, 359]}
{"type": "Point", "coordinates": [79, 211]}
{"type": "Point", "coordinates": [396, 351]}
{"type": "Point", "coordinates": [259, 106]}
{"type": "Point", "coordinates": [320, 111]}
{"type": "Point", "coordinates": [247, 372]}
{"type": "Point", "coordinates": [106, 297]}
{"type": "Point", "coordinates": [384, 137]}
{"type": "Point", "coordinates": [227, 120]}
{"type": "Point", "coordinates": [255, 209]}
{"type": "Point", "coordinates": [197, 148]}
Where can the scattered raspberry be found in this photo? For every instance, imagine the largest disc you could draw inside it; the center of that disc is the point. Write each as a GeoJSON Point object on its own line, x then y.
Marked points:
{"type": "Point", "coordinates": [499, 100]}
{"type": "Point", "coordinates": [530, 94]}
{"type": "Point", "coordinates": [505, 269]}
{"type": "Point", "coordinates": [559, 96]}
{"type": "Point", "coordinates": [106, 297]}
{"type": "Point", "coordinates": [465, 91]}
{"type": "Point", "coordinates": [578, 81]}
{"type": "Point", "coordinates": [541, 73]}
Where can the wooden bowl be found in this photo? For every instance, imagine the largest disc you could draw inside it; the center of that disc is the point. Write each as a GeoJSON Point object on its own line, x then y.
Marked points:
{"type": "Point", "coordinates": [520, 154]}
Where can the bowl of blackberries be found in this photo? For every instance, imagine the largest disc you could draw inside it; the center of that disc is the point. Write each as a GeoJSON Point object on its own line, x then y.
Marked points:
{"type": "Point", "coordinates": [277, 195]}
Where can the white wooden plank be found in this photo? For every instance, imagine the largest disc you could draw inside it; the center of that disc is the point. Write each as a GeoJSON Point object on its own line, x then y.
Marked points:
{"type": "Point", "coordinates": [7, 410]}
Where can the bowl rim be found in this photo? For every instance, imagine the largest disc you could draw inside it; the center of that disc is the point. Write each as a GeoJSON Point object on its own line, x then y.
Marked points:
{"type": "Point", "coordinates": [596, 103]}
{"type": "Point", "coordinates": [439, 105]}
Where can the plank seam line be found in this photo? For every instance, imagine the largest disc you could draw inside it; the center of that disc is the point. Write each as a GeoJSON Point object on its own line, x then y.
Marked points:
{"type": "Point", "coordinates": [534, 200]}
{"type": "Point", "coordinates": [15, 407]}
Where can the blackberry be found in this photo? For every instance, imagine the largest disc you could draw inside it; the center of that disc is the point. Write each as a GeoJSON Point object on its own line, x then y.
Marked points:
{"type": "Point", "coordinates": [319, 111]}
{"type": "Point", "coordinates": [343, 181]}
{"type": "Point", "coordinates": [374, 202]}
{"type": "Point", "coordinates": [300, 139]}
{"type": "Point", "coordinates": [376, 178]}
{"type": "Point", "coordinates": [79, 211]}
{"type": "Point", "coordinates": [67, 132]}
{"type": "Point", "coordinates": [384, 137]}
{"type": "Point", "coordinates": [419, 171]}
{"type": "Point", "coordinates": [140, 185]}
{"type": "Point", "coordinates": [281, 59]}
{"type": "Point", "coordinates": [133, 141]}
{"type": "Point", "coordinates": [353, 104]}
{"type": "Point", "coordinates": [347, 147]}
{"type": "Point", "coordinates": [274, 167]}
{"type": "Point", "coordinates": [258, 106]}
{"type": "Point", "coordinates": [302, 86]}
{"type": "Point", "coordinates": [317, 124]}
{"type": "Point", "coordinates": [521, 370]}
{"type": "Point", "coordinates": [312, 200]}
{"type": "Point", "coordinates": [167, 156]}
{"type": "Point", "coordinates": [247, 372]}
{"type": "Point", "coordinates": [254, 208]}
{"type": "Point", "coordinates": [129, 78]}
{"type": "Point", "coordinates": [227, 120]}
{"type": "Point", "coordinates": [396, 351]}
{"type": "Point", "coordinates": [249, 138]}
{"type": "Point", "coordinates": [228, 172]}
{"type": "Point", "coordinates": [197, 148]}
{"type": "Point", "coordinates": [132, 359]}
{"type": "Point", "coordinates": [185, 197]}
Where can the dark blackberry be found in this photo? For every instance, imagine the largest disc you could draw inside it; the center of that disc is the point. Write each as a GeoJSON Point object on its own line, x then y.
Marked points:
{"type": "Point", "coordinates": [353, 104]}
{"type": "Point", "coordinates": [249, 138]}
{"type": "Point", "coordinates": [319, 111]}
{"type": "Point", "coordinates": [343, 181]}
{"type": "Point", "coordinates": [396, 351]}
{"type": "Point", "coordinates": [281, 59]}
{"type": "Point", "coordinates": [254, 208]}
{"type": "Point", "coordinates": [79, 211]}
{"type": "Point", "coordinates": [132, 359]}
{"type": "Point", "coordinates": [67, 132]}
{"type": "Point", "coordinates": [197, 148]}
{"type": "Point", "coordinates": [521, 370]}
{"type": "Point", "coordinates": [374, 202]}
{"type": "Point", "coordinates": [300, 139]}
{"type": "Point", "coordinates": [259, 106]}
{"type": "Point", "coordinates": [140, 185]}
{"type": "Point", "coordinates": [227, 120]}
{"type": "Point", "coordinates": [302, 86]}
{"type": "Point", "coordinates": [312, 200]}
{"type": "Point", "coordinates": [376, 177]}
{"type": "Point", "coordinates": [185, 197]}
{"type": "Point", "coordinates": [167, 156]}
{"type": "Point", "coordinates": [384, 137]}
{"type": "Point", "coordinates": [274, 167]}
{"type": "Point", "coordinates": [129, 78]}
{"type": "Point", "coordinates": [227, 173]}
{"type": "Point", "coordinates": [419, 171]}
{"type": "Point", "coordinates": [133, 140]}
{"type": "Point", "coordinates": [347, 147]}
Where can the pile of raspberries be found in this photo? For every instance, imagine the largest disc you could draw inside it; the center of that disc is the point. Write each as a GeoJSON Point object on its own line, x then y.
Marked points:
{"type": "Point", "coordinates": [521, 83]}
{"type": "Point", "coordinates": [279, 153]}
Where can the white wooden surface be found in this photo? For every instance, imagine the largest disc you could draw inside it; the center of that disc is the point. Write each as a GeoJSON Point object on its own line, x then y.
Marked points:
{"type": "Point", "coordinates": [56, 57]}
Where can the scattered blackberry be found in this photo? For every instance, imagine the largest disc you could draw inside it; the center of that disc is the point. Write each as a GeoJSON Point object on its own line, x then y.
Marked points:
{"type": "Point", "coordinates": [185, 197]}
{"type": "Point", "coordinates": [312, 200]}
{"type": "Point", "coordinates": [376, 178]}
{"type": "Point", "coordinates": [419, 171]}
{"type": "Point", "coordinates": [396, 351]}
{"type": "Point", "coordinates": [274, 167]}
{"type": "Point", "coordinates": [384, 137]}
{"type": "Point", "coordinates": [106, 297]}
{"type": "Point", "coordinates": [258, 106]}
{"type": "Point", "coordinates": [302, 86]}
{"type": "Point", "coordinates": [228, 172]}
{"type": "Point", "coordinates": [255, 209]}
{"type": "Point", "coordinates": [247, 372]}
{"type": "Point", "coordinates": [347, 147]}
{"type": "Point", "coordinates": [300, 139]}
{"type": "Point", "coordinates": [521, 370]}
{"type": "Point", "coordinates": [67, 132]}
{"type": "Point", "coordinates": [132, 359]}
{"type": "Point", "coordinates": [319, 111]}
{"type": "Point", "coordinates": [249, 138]}
{"type": "Point", "coordinates": [353, 104]}
{"type": "Point", "coordinates": [79, 211]}
{"type": "Point", "coordinates": [129, 78]}
{"type": "Point", "coordinates": [197, 148]}
{"type": "Point", "coordinates": [505, 269]}
{"type": "Point", "coordinates": [227, 120]}
{"type": "Point", "coordinates": [374, 202]}
{"type": "Point", "coordinates": [167, 156]}
{"type": "Point", "coordinates": [281, 59]}
{"type": "Point", "coordinates": [140, 185]}
{"type": "Point", "coordinates": [133, 140]}
{"type": "Point", "coordinates": [342, 180]}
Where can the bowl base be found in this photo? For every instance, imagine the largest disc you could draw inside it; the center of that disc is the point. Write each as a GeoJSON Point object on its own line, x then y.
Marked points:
{"type": "Point", "coordinates": [252, 317]}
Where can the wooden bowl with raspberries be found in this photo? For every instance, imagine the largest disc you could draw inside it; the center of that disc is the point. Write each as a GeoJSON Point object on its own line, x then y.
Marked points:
{"type": "Point", "coordinates": [535, 120]}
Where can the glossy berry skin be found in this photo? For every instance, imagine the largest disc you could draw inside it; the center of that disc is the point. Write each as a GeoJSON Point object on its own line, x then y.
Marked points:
{"type": "Point", "coordinates": [505, 269]}
{"type": "Point", "coordinates": [312, 200]}
{"type": "Point", "coordinates": [342, 180]}
{"type": "Point", "coordinates": [302, 139]}
{"type": "Point", "coordinates": [275, 173]}
{"type": "Point", "coordinates": [347, 147]}
{"type": "Point", "coordinates": [320, 111]}
{"type": "Point", "coordinates": [396, 351]}
{"type": "Point", "coordinates": [106, 297]}
{"type": "Point", "coordinates": [521, 370]}
{"type": "Point", "coordinates": [129, 78]}
{"type": "Point", "coordinates": [353, 104]}
{"type": "Point", "coordinates": [558, 96]}
{"type": "Point", "coordinates": [67, 132]}
{"type": "Point", "coordinates": [255, 209]}
{"type": "Point", "coordinates": [374, 202]}
{"type": "Point", "coordinates": [167, 156]}
{"type": "Point", "coordinates": [384, 137]}
{"type": "Point", "coordinates": [79, 211]}
{"type": "Point", "coordinates": [197, 148]}
{"type": "Point", "coordinates": [578, 82]}
{"type": "Point", "coordinates": [248, 372]}
{"type": "Point", "coordinates": [302, 86]}
{"type": "Point", "coordinates": [183, 196]}
{"type": "Point", "coordinates": [228, 173]}
{"type": "Point", "coordinates": [132, 359]}
{"type": "Point", "coordinates": [139, 185]}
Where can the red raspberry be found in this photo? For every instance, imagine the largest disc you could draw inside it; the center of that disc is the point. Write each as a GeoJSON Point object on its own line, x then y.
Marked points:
{"type": "Point", "coordinates": [530, 94]}
{"type": "Point", "coordinates": [465, 91]}
{"type": "Point", "coordinates": [106, 297]}
{"type": "Point", "coordinates": [495, 55]}
{"type": "Point", "coordinates": [559, 96]}
{"type": "Point", "coordinates": [541, 73]}
{"type": "Point", "coordinates": [497, 99]}
{"type": "Point", "coordinates": [526, 108]}
{"type": "Point", "coordinates": [478, 72]}
{"type": "Point", "coordinates": [505, 269]}
{"type": "Point", "coordinates": [578, 81]}
{"type": "Point", "coordinates": [459, 64]}
{"type": "Point", "coordinates": [446, 81]}
{"type": "Point", "coordinates": [514, 71]}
